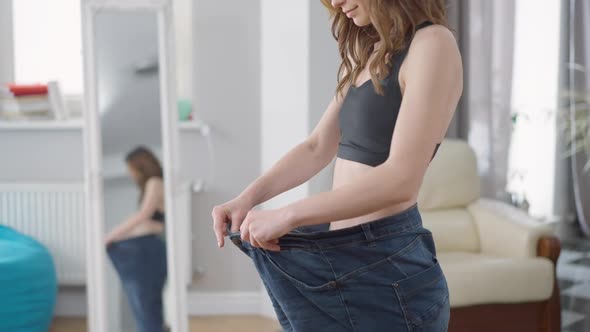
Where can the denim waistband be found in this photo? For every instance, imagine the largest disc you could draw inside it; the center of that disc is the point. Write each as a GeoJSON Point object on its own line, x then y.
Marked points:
{"type": "Point", "coordinates": [140, 238]}
{"type": "Point", "coordinates": [398, 223]}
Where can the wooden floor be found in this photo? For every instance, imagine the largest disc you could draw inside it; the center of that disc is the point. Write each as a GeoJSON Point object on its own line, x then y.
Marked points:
{"type": "Point", "coordinates": [197, 324]}
{"type": "Point", "coordinates": [233, 324]}
{"type": "Point", "coordinates": [68, 325]}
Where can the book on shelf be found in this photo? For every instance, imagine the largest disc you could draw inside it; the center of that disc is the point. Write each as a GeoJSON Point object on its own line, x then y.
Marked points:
{"type": "Point", "coordinates": [17, 90]}
{"type": "Point", "coordinates": [25, 104]}
{"type": "Point", "coordinates": [30, 117]}
{"type": "Point", "coordinates": [34, 102]}
{"type": "Point", "coordinates": [56, 99]}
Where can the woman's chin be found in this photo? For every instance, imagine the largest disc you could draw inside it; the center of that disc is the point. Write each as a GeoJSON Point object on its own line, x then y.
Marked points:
{"type": "Point", "coordinates": [360, 22]}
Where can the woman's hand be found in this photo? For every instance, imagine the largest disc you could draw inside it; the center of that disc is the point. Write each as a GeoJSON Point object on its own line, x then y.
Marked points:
{"type": "Point", "coordinates": [263, 228]}
{"type": "Point", "coordinates": [233, 212]}
{"type": "Point", "coordinates": [109, 239]}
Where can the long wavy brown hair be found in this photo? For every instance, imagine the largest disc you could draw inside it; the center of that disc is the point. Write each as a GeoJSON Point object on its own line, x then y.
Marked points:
{"type": "Point", "coordinates": [146, 164]}
{"type": "Point", "coordinates": [393, 23]}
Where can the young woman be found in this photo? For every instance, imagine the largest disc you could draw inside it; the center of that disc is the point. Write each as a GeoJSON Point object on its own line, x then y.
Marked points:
{"type": "Point", "coordinates": [136, 247]}
{"type": "Point", "coordinates": [375, 268]}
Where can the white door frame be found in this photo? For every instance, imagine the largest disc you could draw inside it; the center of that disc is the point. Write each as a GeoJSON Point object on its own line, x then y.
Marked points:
{"type": "Point", "coordinates": [95, 251]}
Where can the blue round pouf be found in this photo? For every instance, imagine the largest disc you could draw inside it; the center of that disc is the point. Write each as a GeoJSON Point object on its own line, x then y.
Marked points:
{"type": "Point", "coordinates": [28, 283]}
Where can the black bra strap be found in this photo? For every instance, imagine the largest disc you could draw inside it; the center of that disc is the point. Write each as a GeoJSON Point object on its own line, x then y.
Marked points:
{"type": "Point", "coordinates": [423, 25]}
{"type": "Point", "coordinates": [399, 57]}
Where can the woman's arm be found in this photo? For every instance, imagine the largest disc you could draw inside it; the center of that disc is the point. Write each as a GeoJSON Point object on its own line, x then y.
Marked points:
{"type": "Point", "coordinates": [297, 166]}
{"type": "Point", "coordinates": [302, 162]}
{"type": "Point", "coordinates": [154, 192]}
{"type": "Point", "coordinates": [432, 75]}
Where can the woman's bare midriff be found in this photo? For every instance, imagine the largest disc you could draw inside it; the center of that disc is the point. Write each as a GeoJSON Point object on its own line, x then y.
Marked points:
{"type": "Point", "coordinates": [346, 171]}
{"type": "Point", "coordinates": [146, 227]}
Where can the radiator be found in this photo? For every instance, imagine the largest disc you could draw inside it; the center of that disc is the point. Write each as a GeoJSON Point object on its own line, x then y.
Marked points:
{"type": "Point", "coordinates": [53, 214]}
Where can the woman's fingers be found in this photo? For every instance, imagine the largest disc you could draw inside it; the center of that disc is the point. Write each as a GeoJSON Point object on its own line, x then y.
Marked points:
{"type": "Point", "coordinates": [219, 225]}
{"type": "Point", "coordinates": [261, 243]}
{"type": "Point", "coordinates": [254, 242]}
{"type": "Point", "coordinates": [271, 245]}
{"type": "Point", "coordinates": [254, 238]}
{"type": "Point", "coordinates": [235, 222]}
{"type": "Point", "coordinates": [248, 234]}
{"type": "Point", "coordinates": [245, 231]}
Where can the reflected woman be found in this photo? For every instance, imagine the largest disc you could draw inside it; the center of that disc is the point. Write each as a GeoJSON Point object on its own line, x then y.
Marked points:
{"type": "Point", "coordinates": [136, 247]}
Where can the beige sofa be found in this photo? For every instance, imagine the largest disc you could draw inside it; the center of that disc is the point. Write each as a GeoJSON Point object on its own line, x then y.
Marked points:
{"type": "Point", "coordinates": [499, 262]}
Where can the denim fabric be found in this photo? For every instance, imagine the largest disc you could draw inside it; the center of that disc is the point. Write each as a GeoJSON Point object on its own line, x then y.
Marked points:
{"type": "Point", "coordinates": [141, 265]}
{"type": "Point", "coordinates": [380, 276]}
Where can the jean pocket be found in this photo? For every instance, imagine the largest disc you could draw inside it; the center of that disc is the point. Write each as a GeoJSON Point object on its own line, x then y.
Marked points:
{"type": "Point", "coordinates": [307, 269]}
{"type": "Point", "coordinates": [422, 296]}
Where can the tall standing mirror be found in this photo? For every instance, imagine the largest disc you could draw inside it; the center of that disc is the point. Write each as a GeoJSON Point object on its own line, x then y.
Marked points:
{"type": "Point", "coordinates": [131, 125]}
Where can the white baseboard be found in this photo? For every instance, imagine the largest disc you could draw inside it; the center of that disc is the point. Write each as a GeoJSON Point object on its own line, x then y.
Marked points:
{"type": "Point", "coordinates": [223, 303]}
{"type": "Point", "coordinates": [70, 303]}
{"type": "Point", "coordinates": [73, 303]}
{"type": "Point", "coordinates": [266, 308]}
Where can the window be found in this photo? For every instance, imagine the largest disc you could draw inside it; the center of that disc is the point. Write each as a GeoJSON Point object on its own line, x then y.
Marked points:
{"type": "Point", "coordinates": [47, 43]}
{"type": "Point", "coordinates": [535, 99]}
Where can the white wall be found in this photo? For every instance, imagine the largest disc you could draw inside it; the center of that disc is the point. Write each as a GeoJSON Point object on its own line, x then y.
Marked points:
{"type": "Point", "coordinates": [6, 55]}
{"type": "Point", "coordinates": [285, 84]}
{"type": "Point", "coordinates": [183, 26]}
{"type": "Point", "coordinates": [323, 67]}
{"type": "Point", "coordinates": [227, 97]}
{"type": "Point", "coordinates": [41, 155]}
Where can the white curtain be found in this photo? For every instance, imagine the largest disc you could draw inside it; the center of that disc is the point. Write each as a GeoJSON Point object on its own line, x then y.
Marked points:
{"type": "Point", "coordinates": [485, 30]}
{"type": "Point", "coordinates": [576, 43]}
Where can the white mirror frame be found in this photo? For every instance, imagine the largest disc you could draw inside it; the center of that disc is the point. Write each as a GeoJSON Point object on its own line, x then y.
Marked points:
{"type": "Point", "coordinates": [94, 200]}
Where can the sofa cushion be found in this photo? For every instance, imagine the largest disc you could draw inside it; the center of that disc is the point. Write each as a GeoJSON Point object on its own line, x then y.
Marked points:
{"type": "Point", "coordinates": [505, 230]}
{"type": "Point", "coordinates": [482, 279]}
{"type": "Point", "coordinates": [452, 229]}
{"type": "Point", "coordinates": [451, 179]}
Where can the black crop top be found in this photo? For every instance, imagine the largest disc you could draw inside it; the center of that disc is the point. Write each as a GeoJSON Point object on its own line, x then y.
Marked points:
{"type": "Point", "coordinates": [367, 119]}
{"type": "Point", "coordinates": [159, 216]}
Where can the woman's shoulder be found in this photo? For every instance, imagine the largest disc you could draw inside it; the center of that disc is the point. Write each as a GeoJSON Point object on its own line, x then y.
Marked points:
{"type": "Point", "coordinates": [430, 40]}
{"type": "Point", "coordinates": [154, 182]}
{"type": "Point", "coordinates": [434, 45]}
{"type": "Point", "coordinates": [434, 55]}
{"type": "Point", "coordinates": [433, 37]}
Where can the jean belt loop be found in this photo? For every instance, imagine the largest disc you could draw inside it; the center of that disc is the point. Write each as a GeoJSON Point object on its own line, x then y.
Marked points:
{"type": "Point", "coordinates": [368, 234]}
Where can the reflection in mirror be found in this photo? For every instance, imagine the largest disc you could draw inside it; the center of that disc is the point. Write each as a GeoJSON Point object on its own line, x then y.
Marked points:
{"type": "Point", "coordinates": [134, 212]}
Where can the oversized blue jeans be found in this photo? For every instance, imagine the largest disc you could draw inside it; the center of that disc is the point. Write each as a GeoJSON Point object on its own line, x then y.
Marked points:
{"type": "Point", "coordinates": [140, 263]}
{"type": "Point", "coordinates": [380, 276]}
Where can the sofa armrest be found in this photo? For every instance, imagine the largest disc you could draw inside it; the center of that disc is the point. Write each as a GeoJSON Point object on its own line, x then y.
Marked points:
{"type": "Point", "coordinates": [549, 247]}
{"type": "Point", "coordinates": [505, 230]}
